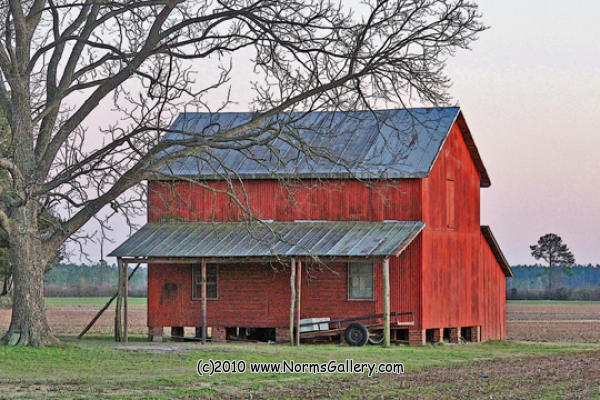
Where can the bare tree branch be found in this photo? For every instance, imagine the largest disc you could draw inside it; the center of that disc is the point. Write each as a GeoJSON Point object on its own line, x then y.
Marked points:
{"type": "Point", "coordinates": [91, 89]}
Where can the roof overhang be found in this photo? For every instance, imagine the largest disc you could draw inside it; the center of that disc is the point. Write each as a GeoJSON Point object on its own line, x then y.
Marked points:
{"type": "Point", "coordinates": [259, 240]}
{"type": "Point", "coordinates": [484, 178]}
{"type": "Point", "coordinates": [491, 240]}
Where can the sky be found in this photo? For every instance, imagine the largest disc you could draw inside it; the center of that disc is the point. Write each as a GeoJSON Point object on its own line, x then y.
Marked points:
{"type": "Point", "coordinates": [530, 91]}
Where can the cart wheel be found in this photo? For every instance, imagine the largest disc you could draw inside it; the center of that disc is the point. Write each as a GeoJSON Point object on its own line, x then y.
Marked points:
{"type": "Point", "coordinates": [376, 338]}
{"type": "Point", "coordinates": [356, 334]}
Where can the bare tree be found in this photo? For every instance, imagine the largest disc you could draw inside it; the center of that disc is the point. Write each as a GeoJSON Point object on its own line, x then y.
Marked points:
{"type": "Point", "coordinates": [61, 59]}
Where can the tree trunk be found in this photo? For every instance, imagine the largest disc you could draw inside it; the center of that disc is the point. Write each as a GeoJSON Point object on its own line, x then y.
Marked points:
{"type": "Point", "coordinates": [550, 280]}
{"type": "Point", "coordinates": [6, 284]}
{"type": "Point", "coordinates": [29, 257]}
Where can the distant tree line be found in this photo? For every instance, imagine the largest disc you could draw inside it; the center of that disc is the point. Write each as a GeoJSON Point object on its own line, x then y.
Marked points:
{"type": "Point", "coordinates": [530, 282]}
{"type": "Point", "coordinates": [71, 280]}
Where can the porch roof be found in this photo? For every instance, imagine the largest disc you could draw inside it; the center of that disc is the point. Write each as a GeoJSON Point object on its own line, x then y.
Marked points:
{"type": "Point", "coordinates": [270, 239]}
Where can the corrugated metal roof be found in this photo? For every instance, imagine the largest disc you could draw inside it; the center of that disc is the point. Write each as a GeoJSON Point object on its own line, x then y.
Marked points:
{"type": "Point", "coordinates": [402, 143]}
{"type": "Point", "coordinates": [261, 239]}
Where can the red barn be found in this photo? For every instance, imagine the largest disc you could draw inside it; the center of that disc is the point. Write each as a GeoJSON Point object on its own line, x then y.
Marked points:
{"type": "Point", "coordinates": [403, 206]}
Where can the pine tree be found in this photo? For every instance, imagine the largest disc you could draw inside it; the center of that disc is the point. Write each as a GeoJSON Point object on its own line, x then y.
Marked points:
{"type": "Point", "coordinates": [551, 249]}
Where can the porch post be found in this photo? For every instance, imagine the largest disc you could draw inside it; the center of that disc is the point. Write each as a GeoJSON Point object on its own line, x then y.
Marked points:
{"type": "Point", "coordinates": [119, 300]}
{"type": "Point", "coordinates": [299, 288]}
{"type": "Point", "coordinates": [292, 299]}
{"type": "Point", "coordinates": [386, 302]}
{"type": "Point", "coordinates": [203, 291]}
{"type": "Point", "coordinates": [124, 274]}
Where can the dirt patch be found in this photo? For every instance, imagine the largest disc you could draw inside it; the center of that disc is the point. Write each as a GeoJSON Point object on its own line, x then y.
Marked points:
{"type": "Point", "coordinates": [565, 376]}
{"type": "Point", "coordinates": [563, 322]}
{"type": "Point", "coordinates": [557, 331]}
{"type": "Point", "coordinates": [153, 347]}
{"type": "Point", "coordinates": [561, 311]}
{"type": "Point", "coordinates": [70, 320]}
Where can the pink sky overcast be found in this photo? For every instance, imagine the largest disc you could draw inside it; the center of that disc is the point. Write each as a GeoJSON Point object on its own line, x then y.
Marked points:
{"type": "Point", "coordinates": [530, 91]}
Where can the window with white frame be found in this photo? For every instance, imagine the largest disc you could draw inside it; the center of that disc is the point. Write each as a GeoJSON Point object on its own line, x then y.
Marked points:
{"type": "Point", "coordinates": [361, 280]}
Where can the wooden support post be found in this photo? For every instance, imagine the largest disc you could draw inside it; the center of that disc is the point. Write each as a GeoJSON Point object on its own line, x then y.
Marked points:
{"type": "Point", "coordinates": [119, 302]}
{"type": "Point", "coordinates": [299, 290]}
{"type": "Point", "coordinates": [292, 299]}
{"type": "Point", "coordinates": [386, 302]}
{"type": "Point", "coordinates": [108, 303]}
{"type": "Point", "coordinates": [203, 291]}
{"type": "Point", "coordinates": [124, 268]}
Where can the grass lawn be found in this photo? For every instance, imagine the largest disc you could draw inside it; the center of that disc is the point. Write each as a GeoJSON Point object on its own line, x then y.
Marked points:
{"type": "Point", "coordinates": [88, 301]}
{"type": "Point", "coordinates": [95, 368]}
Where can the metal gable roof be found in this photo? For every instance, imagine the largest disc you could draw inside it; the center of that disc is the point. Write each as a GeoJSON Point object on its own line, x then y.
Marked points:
{"type": "Point", "coordinates": [402, 143]}
{"type": "Point", "coordinates": [270, 239]}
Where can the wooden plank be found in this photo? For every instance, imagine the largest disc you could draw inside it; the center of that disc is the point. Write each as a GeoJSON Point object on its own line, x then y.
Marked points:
{"type": "Point", "coordinates": [331, 332]}
{"type": "Point", "coordinates": [292, 299]}
{"type": "Point", "coordinates": [118, 306]}
{"type": "Point", "coordinates": [204, 301]}
{"type": "Point", "coordinates": [337, 331]}
{"type": "Point", "coordinates": [108, 303]}
{"type": "Point", "coordinates": [123, 268]}
{"type": "Point", "coordinates": [365, 317]}
{"type": "Point", "coordinates": [386, 302]}
{"type": "Point", "coordinates": [299, 290]}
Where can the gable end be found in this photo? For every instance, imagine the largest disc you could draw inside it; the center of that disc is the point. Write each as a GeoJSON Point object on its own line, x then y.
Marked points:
{"type": "Point", "coordinates": [468, 138]}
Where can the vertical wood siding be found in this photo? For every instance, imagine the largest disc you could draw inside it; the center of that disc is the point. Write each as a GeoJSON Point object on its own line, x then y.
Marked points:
{"type": "Point", "coordinates": [258, 295]}
{"type": "Point", "coordinates": [268, 199]}
{"type": "Point", "coordinates": [493, 302]}
{"type": "Point", "coordinates": [454, 283]}
{"type": "Point", "coordinates": [443, 276]}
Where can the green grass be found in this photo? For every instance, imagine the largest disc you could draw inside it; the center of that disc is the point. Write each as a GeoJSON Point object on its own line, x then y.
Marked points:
{"type": "Point", "coordinates": [95, 368]}
{"type": "Point", "coordinates": [88, 301]}
{"type": "Point", "coordinates": [551, 302]}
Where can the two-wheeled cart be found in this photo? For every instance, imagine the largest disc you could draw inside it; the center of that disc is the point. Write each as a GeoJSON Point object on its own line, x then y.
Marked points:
{"type": "Point", "coordinates": [356, 331]}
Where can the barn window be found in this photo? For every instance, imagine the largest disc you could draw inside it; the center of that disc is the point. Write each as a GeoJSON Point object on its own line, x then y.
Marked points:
{"type": "Point", "coordinates": [361, 280]}
{"type": "Point", "coordinates": [450, 204]}
{"type": "Point", "coordinates": [212, 282]}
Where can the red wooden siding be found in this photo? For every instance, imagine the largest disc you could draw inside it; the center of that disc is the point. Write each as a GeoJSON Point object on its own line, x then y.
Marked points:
{"type": "Point", "coordinates": [493, 289]}
{"type": "Point", "coordinates": [446, 276]}
{"type": "Point", "coordinates": [259, 295]}
{"type": "Point", "coordinates": [311, 200]}
{"type": "Point", "coordinates": [450, 273]}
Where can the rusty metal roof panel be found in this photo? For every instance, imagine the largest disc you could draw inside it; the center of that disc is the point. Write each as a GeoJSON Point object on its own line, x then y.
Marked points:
{"type": "Point", "coordinates": [402, 143]}
{"type": "Point", "coordinates": [268, 239]}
